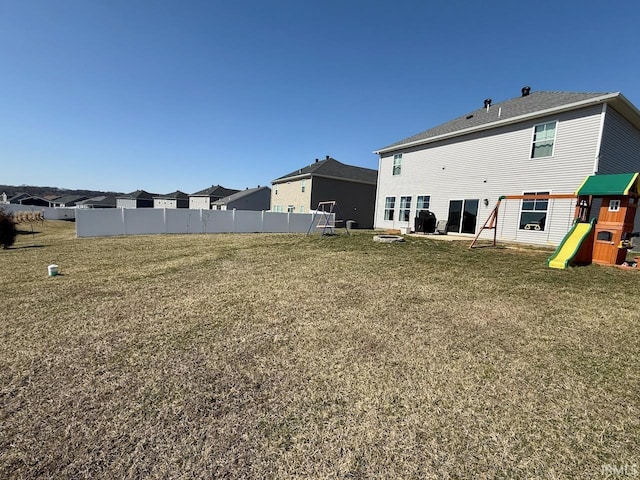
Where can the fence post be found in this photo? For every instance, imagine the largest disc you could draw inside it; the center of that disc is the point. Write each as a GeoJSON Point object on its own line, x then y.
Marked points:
{"type": "Point", "coordinates": [164, 219]}
{"type": "Point", "coordinates": [124, 222]}
{"type": "Point", "coordinates": [233, 216]}
{"type": "Point", "coordinates": [262, 222]}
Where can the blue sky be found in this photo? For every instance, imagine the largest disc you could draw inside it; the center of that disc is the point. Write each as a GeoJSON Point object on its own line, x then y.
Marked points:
{"type": "Point", "coordinates": [165, 95]}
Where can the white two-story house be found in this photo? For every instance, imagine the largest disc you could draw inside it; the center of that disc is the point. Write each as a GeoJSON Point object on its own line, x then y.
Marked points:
{"type": "Point", "coordinates": [537, 143]}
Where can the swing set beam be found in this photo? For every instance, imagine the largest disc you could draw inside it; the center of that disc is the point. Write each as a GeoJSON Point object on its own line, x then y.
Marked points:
{"type": "Point", "coordinates": [492, 221]}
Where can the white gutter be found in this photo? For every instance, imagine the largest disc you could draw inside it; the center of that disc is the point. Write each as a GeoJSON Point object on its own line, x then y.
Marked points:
{"type": "Point", "coordinates": [519, 118]}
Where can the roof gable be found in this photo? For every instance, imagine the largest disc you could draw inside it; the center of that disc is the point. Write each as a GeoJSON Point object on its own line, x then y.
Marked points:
{"type": "Point", "coordinates": [138, 194]}
{"type": "Point", "coordinates": [177, 195]}
{"type": "Point", "coordinates": [239, 195]}
{"type": "Point", "coordinates": [509, 111]}
{"type": "Point", "coordinates": [216, 191]}
{"type": "Point", "coordinates": [330, 167]}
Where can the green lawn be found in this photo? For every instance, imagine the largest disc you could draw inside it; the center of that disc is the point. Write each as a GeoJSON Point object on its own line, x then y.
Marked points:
{"type": "Point", "coordinates": [287, 356]}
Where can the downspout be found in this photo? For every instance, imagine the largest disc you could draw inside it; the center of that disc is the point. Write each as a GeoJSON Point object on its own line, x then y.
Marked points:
{"type": "Point", "coordinates": [375, 206]}
{"type": "Point", "coordinates": [596, 163]}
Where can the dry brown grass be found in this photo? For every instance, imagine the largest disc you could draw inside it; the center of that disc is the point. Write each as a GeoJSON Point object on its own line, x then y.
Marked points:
{"type": "Point", "coordinates": [286, 356]}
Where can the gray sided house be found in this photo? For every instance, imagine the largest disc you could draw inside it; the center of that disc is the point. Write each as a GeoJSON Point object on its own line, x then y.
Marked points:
{"type": "Point", "coordinates": [204, 199]}
{"type": "Point", "coordinates": [352, 188]}
{"type": "Point", "coordinates": [537, 143]}
{"type": "Point", "coordinates": [176, 199]}
{"type": "Point", "coordinates": [250, 199]}
{"type": "Point", "coordinates": [137, 199]}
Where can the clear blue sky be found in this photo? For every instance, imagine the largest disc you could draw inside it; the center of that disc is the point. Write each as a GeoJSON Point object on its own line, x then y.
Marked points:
{"type": "Point", "coordinates": [165, 95]}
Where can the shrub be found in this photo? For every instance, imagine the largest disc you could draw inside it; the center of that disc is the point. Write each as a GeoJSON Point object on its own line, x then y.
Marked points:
{"type": "Point", "coordinates": [8, 230]}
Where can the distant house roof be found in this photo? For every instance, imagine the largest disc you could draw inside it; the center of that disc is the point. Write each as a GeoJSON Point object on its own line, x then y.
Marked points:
{"type": "Point", "coordinates": [69, 199]}
{"type": "Point", "coordinates": [100, 200]}
{"type": "Point", "coordinates": [216, 191]}
{"type": "Point", "coordinates": [239, 195]}
{"type": "Point", "coordinates": [332, 168]}
{"type": "Point", "coordinates": [536, 104]}
{"type": "Point", "coordinates": [17, 197]}
{"type": "Point", "coordinates": [615, 184]}
{"type": "Point", "coordinates": [173, 195]}
{"type": "Point", "coordinates": [138, 194]}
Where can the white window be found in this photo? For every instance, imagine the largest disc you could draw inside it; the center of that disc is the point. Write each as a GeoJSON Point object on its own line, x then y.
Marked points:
{"type": "Point", "coordinates": [301, 208]}
{"type": "Point", "coordinates": [544, 136]}
{"type": "Point", "coordinates": [533, 213]}
{"type": "Point", "coordinates": [389, 206]}
{"type": "Point", "coordinates": [422, 203]}
{"type": "Point", "coordinates": [405, 209]}
{"type": "Point", "coordinates": [304, 185]}
{"type": "Point", "coordinates": [291, 209]}
{"type": "Point", "coordinates": [397, 164]}
{"type": "Point", "coordinates": [614, 205]}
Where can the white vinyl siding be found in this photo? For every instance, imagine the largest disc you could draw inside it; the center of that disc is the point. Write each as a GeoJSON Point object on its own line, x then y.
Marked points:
{"type": "Point", "coordinates": [619, 151]}
{"type": "Point", "coordinates": [494, 163]}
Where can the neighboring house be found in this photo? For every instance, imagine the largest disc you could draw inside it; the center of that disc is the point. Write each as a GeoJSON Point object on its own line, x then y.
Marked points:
{"type": "Point", "coordinates": [26, 199]}
{"type": "Point", "coordinates": [541, 142]}
{"type": "Point", "coordinates": [137, 199]}
{"type": "Point", "coordinates": [203, 199]}
{"type": "Point", "coordinates": [66, 201]}
{"type": "Point", "coordinates": [101, 201]}
{"type": "Point", "coordinates": [3, 199]}
{"type": "Point", "coordinates": [176, 199]}
{"type": "Point", "coordinates": [250, 199]}
{"type": "Point", "coordinates": [352, 188]}
{"type": "Point", "coordinates": [15, 200]}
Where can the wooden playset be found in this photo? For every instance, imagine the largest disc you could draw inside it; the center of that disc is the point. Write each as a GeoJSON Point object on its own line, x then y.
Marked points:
{"type": "Point", "coordinates": [604, 240]}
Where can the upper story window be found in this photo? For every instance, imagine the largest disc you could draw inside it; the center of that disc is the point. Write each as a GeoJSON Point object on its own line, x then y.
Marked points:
{"type": "Point", "coordinates": [304, 185]}
{"type": "Point", "coordinates": [544, 136]}
{"type": "Point", "coordinates": [397, 163]}
{"type": "Point", "coordinates": [275, 189]}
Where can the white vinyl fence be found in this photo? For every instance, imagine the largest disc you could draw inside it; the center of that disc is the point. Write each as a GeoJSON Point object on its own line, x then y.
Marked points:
{"type": "Point", "coordinates": [50, 213]}
{"type": "Point", "coordinates": [107, 222]}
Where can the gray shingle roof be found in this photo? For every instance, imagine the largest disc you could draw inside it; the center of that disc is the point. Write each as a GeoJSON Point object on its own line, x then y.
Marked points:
{"type": "Point", "coordinates": [515, 107]}
{"type": "Point", "coordinates": [173, 195]}
{"type": "Point", "coordinates": [238, 195]}
{"type": "Point", "coordinates": [101, 200]}
{"type": "Point", "coordinates": [216, 191]}
{"type": "Point", "coordinates": [330, 167]}
{"type": "Point", "coordinates": [65, 199]}
{"type": "Point", "coordinates": [138, 194]}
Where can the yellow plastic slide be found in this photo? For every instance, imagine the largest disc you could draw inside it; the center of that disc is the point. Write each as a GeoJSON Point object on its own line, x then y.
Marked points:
{"type": "Point", "coordinates": [570, 245]}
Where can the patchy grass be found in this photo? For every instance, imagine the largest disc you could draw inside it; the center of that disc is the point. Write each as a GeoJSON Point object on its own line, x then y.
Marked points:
{"type": "Point", "coordinates": [286, 356]}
